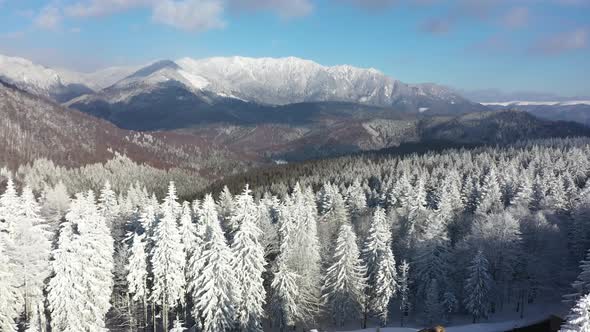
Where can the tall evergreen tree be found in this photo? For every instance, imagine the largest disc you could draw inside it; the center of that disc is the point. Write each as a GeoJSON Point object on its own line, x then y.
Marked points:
{"type": "Point", "coordinates": [96, 250]}
{"type": "Point", "coordinates": [490, 199]}
{"type": "Point", "coordinates": [404, 290]}
{"type": "Point", "coordinates": [31, 246]}
{"type": "Point", "coordinates": [214, 291]}
{"type": "Point", "coordinates": [477, 288]}
{"type": "Point", "coordinates": [168, 258]}
{"type": "Point", "coordinates": [137, 271]}
{"type": "Point", "coordinates": [66, 293]}
{"type": "Point", "coordinates": [8, 293]}
{"type": "Point", "coordinates": [248, 263]}
{"type": "Point", "coordinates": [107, 204]}
{"type": "Point", "coordinates": [344, 282]}
{"type": "Point", "coordinates": [380, 262]}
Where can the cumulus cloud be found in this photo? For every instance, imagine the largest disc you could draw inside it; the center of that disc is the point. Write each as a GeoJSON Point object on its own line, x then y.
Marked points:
{"type": "Point", "coordinates": [195, 15]}
{"type": "Point", "coordinates": [563, 42]}
{"type": "Point", "coordinates": [48, 18]}
{"type": "Point", "coordinates": [103, 7]}
{"type": "Point", "coordinates": [516, 17]}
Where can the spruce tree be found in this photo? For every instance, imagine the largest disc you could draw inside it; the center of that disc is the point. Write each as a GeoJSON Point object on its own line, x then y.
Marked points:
{"type": "Point", "coordinates": [214, 291]}
{"type": "Point", "coordinates": [248, 263]}
{"type": "Point", "coordinates": [344, 281]}
{"type": "Point", "coordinates": [96, 250]}
{"type": "Point", "coordinates": [31, 246]}
{"type": "Point", "coordinates": [477, 288]}
{"type": "Point", "coordinates": [380, 262]}
{"type": "Point", "coordinates": [8, 293]}
{"type": "Point", "coordinates": [579, 318]}
{"type": "Point", "coordinates": [137, 271]}
{"type": "Point", "coordinates": [581, 285]}
{"type": "Point", "coordinates": [65, 290]}
{"type": "Point", "coordinates": [168, 258]}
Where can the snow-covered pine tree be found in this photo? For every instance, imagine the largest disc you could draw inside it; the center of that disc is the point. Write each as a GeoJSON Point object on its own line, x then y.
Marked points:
{"type": "Point", "coordinates": [581, 285]}
{"type": "Point", "coordinates": [226, 206]}
{"type": "Point", "coordinates": [344, 281]}
{"type": "Point", "coordinates": [148, 217]}
{"type": "Point", "coordinates": [107, 204]}
{"type": "Point", "coordinates": [96, 250]}
{"type": "Point", "coordinates": [248, 263]}
{"type": "Point", "coordinates": [356, 199]}
{"type": "Point", "coordinates": [168, 258]}
{"type": "Point", "coordinates": [207, 214]}
{"type": "Point", "coordinates": [8, 293]}
{"type": "Point", "coordinates": [285, 303]}
{"type": "Point", "coordinates": [524, 193]}
{"type": "Point", "coordinates": [380, 262]}
{"type": "Point", "coordinates": [66, 293]}
{"type": "Point", "coordinates": [9, 207]}
{"type": "Point", "coordinates": [579, 318]}
{"type": "Point", "coordinates": [304, 253]}
{"type": "Point", "coordinates": [375, 243]}
{"type": "Point", "coordinates": [285, 293]}
{"type": "Point", "coordinates": [385, 285]}
{"type": "Point", "coordinates": [404, 290]}
{"type": "Point", "coordinates": [214, 290]}
{"type": "Point", "coordinates": [137, 272]}
{"type": "Point", "coordinates": [188, 230]}
{"type": "Point", "coordinates": [477, 288]}
{"type": "Point", "coordinates": [490, 199]}
{"type": "Point", "coordinates": [32, 247]}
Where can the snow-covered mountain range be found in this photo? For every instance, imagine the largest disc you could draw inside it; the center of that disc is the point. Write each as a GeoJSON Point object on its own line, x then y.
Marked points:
{"type": "Point", "coordinates": [50, 82]}
{"type": "Point", "coordinates": [270, 81]}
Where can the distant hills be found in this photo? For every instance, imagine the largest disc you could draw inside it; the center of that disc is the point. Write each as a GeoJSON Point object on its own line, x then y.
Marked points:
{"type": "Point", "coordinates": [238, 111]}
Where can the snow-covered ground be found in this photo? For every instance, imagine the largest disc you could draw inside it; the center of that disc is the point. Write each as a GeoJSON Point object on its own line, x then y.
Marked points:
{"type": "Point", "coordinates": [504, 321]}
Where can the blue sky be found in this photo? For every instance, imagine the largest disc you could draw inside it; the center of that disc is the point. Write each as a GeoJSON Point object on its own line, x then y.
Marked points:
{"type": "Point", "coordinates": [514, 45]}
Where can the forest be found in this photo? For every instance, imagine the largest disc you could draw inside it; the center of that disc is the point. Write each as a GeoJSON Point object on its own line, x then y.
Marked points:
{"type": "Point", "coordinates": [413, 240]}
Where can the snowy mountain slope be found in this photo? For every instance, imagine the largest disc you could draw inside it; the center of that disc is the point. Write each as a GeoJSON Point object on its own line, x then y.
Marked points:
{"type": "Point", "coordinates": [57, 84]}
{"type": "Point", "coordinates": [99, 79]}
{"type": "Point", "coordinates": [269, 81]}
{"type": "Point", "coordinates": [282, 81]}
{"type": "Point", "coordinates": [29, 76]}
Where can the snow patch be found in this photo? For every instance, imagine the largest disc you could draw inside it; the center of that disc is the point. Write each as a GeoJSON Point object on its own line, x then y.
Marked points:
{"type": "Point", "coordinates": [538, 103]}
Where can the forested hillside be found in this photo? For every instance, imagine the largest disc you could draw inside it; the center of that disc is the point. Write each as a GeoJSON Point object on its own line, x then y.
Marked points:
{"type": "Point", "coordinates": [416, 240]}
{"type": "Point", "coordinates": [34, 130]}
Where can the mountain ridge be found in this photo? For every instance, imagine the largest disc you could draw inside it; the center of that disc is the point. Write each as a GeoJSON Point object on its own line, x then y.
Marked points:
{"type": "Point", "coordinates": [267, 81]}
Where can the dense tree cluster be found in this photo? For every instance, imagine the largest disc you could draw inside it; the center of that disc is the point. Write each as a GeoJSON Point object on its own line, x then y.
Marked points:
{"type": "Point", "coordinates": [422, 238]}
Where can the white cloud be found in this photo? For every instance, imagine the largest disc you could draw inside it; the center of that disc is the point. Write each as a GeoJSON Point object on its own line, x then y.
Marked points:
{"type": "Point", "coordinates": [48, 18]}
{"type": "Point", "coordinates": [104, 7]}
{"type": "Point", "coordinates": [285, 8]}
{"type": "Point", "coordinates": [193, 15]}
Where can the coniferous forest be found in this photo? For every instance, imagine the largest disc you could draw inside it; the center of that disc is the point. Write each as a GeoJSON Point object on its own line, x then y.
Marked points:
{"type": "Point", "coordinates": [414, 240]}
